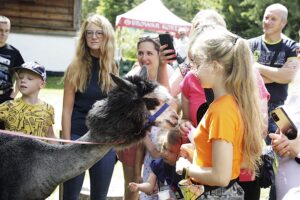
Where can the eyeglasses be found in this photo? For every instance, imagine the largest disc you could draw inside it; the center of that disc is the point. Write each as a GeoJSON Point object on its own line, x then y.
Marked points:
{"type": "Point", "coordinates": [90, 33]}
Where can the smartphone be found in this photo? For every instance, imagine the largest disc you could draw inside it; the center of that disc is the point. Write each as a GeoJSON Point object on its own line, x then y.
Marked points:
{"type": "Point", "coordinates": [166, 39]}
{"type": "Point", "coordinates": [284, 123]}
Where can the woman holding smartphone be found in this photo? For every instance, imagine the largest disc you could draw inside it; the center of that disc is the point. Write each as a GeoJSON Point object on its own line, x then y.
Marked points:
{"type": "Point", "coordinates": [133, 158]}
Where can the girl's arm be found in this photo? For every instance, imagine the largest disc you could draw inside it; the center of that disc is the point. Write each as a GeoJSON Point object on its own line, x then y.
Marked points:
{"type": "Point", "coordinates": [171, 84]}
{"type": "Point", "coordinates": [139, 160]}
{"type": "Point", "coordinates": [185, 107]}
{"type": "Point", "coordinates": [68, 103]}
{"type": "Point", "coordinates": [147, 187]}
{"type": "Point", "coordinates": [220, 172]}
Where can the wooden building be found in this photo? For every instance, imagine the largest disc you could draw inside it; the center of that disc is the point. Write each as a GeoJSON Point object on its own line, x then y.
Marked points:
{"type": "Point", "coordinates": [58, 17]}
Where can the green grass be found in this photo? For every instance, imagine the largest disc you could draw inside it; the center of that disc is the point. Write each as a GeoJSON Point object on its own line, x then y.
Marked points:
{"type": "Point", "coordinates": [54, 82]}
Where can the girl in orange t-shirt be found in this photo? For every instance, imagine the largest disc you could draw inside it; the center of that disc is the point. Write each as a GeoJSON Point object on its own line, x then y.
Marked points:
{"type": "Point", "coordinates": [229, 135]}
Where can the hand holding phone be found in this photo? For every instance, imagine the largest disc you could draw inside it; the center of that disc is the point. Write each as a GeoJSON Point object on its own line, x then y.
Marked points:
{"type": "Point", "coordinates": [284, 123]}
{"type": "Point", "coordinates": [166, 39]}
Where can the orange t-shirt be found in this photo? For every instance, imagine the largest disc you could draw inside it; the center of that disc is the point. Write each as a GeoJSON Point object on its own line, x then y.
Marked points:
{"type": "Point", "coordinates": [221, 121]}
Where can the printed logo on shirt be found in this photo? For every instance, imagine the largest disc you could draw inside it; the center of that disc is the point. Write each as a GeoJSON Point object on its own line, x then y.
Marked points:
{"type": "Point", "coordinates": [256, 54]}
{"type": "Point", "coordinates": [266, 58]}
{"type": "Point", "coordinates": [4, 61]}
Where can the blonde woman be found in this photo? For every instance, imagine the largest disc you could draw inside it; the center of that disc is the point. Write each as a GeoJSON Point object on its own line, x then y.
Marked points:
{"type": "Point", "coordinates": [87, 80]}
{"type": "Point", "coordinates": [230, 133]}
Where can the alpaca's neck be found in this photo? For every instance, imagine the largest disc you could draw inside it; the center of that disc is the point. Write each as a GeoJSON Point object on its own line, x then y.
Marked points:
{"type": "Point", "coordinates": [73, 159]}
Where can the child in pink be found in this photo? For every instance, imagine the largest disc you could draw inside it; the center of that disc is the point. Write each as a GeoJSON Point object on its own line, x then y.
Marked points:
{"type": "Point", "coordinates": [194, 94]}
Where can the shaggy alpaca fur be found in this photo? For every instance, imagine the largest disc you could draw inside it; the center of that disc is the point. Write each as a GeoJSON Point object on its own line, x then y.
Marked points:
{"type": "Point", "coordinates": [31, 169]}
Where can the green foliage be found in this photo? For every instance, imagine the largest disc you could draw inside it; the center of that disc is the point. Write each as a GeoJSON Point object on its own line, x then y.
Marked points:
{"type": "Point", "coordinates": [112, 8]}
{"type": "Point", "coordinates": [244, 17]}
{"type": "Point", "coordinates": [127, 39]}
{"type": "Point", "coordinates": [88, 6]}
{"type": "Point", "coordinates": [189, 8]}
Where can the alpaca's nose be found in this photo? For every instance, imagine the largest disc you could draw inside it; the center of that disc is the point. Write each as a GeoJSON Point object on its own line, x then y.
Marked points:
{"type": "Point", "coordinates": [172, 119]}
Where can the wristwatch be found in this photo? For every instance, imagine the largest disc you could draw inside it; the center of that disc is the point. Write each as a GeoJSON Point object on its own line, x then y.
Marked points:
{"type": "Point", "coordinates": [297, 159]}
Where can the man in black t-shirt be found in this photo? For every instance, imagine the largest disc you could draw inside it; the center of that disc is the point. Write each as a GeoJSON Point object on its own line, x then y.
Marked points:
{"type": "Point", "coordinates": [275, 55]}
{"type": "Point", "coordinates": [10, 57]}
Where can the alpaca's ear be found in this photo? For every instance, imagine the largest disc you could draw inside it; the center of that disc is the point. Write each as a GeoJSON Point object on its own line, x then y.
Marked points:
{"type": "Point", "coordinates": [144, 72]}
{"type": "Point", "coordinates": [122, 83]}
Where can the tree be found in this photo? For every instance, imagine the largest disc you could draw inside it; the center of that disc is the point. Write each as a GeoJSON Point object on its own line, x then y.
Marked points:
{"type": "Point", "coordinates": [88, 6]}
{"type": "Point", "coordinates": [112, 8]}
{"type": "Point", "coordinates": [189, 8]}
{"type": "Point", "coordinates": [244, 17]}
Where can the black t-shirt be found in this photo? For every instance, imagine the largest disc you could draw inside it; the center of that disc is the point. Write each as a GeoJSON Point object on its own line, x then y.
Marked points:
{"type": "Point", "coordinates": [10, 57]}
{"type": "Point", "coordinates": [274, 55]}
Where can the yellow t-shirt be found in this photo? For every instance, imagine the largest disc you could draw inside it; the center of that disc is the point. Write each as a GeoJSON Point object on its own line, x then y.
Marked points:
{"type": "Point", "coordinates": [19, 116]}
{"type": "Point", "coordinates": [221, 121]}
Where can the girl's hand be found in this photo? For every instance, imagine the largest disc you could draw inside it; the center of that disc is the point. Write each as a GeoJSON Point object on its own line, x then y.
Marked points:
{"type": "Point", "coordinates": [187, 151]}
{"type": "Point", "coordinates": [185, 127]}
{"type": "Point", "coordinates": [133, 187]}
{"type": "Point", "coordinates": [180, 164]}
{"type": "Point", "coordinates": [163, 52]}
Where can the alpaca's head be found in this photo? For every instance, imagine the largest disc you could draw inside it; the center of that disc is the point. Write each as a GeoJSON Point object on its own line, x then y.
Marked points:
{"type": "Point", "coordinates": [121, 119]}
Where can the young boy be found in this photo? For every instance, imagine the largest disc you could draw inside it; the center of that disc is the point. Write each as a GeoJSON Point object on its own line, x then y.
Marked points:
{"type": "Point", "coordinates": [163, 169]}
{"type": "Point", "coordinates": [29, 114]}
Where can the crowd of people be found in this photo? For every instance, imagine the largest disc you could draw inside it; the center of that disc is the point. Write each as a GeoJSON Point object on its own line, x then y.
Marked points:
{"type": "Point", "coordinates": [225, 87]}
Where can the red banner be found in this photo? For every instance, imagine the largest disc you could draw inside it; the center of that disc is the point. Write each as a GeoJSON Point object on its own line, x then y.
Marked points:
{"type": "Point", "coordinates": [154, 26]}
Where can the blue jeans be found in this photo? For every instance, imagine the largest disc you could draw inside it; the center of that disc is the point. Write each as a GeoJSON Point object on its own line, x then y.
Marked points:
{"type": "Point", "coordinates": [100, 177]}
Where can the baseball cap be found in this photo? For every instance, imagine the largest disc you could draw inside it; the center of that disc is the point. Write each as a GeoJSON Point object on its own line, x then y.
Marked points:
{"type": "Point", "coordinates": [34, 67]}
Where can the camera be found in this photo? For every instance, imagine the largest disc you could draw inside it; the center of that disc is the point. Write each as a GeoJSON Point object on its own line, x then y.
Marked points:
{"type": "Point", "coordinates": [275, 117]}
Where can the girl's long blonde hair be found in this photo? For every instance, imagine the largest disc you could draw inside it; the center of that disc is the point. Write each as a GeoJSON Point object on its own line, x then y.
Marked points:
{"type": "Point", "coordinates": [79, 71]}
{"type": "Point", "coordinates": [234, 54]}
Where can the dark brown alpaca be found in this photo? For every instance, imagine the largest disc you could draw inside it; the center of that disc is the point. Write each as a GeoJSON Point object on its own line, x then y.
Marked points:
{"type": "Point", "coordinates": [31, 169]}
